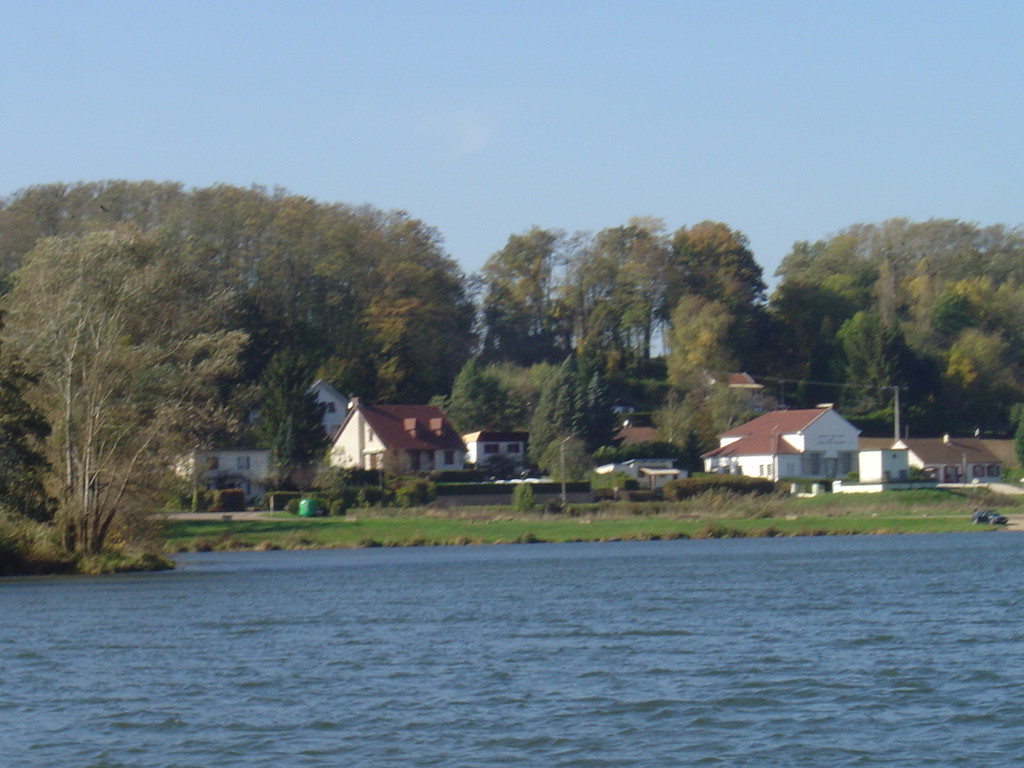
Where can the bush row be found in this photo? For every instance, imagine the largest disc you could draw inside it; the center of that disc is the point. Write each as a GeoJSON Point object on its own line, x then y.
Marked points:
{"type": "Point", "coordinates": [687, 487]}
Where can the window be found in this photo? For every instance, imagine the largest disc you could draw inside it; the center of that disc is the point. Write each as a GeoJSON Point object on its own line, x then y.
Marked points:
{"type": "Point", "coordinates": [213, 463]}
{"type": "Point", "coordinates": [513, 448]}
{"type": "Point", "coordinates": [815, 463]}
{"type": "Point", "coordinates": [243, 462]}
{"type": "Point", "coordinates": [330, 408]}
{"type": "Point", "coordinates": [490, 447]}
{"type": "Point", "coordinates": [449, 457]}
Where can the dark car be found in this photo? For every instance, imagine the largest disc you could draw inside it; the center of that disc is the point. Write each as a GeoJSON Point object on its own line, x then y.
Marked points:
{"type": "Point", "coordinates": [988, 517]}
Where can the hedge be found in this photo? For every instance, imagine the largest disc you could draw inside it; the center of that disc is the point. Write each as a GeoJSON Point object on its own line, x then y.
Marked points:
{"type": "Point", "coordinates": [506, 489]}
{"type": "Point", "coordinates": [687, 487]}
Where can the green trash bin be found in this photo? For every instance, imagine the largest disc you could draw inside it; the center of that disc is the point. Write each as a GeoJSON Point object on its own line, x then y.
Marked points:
{"type": "Point", "coordinates": [307, 508]}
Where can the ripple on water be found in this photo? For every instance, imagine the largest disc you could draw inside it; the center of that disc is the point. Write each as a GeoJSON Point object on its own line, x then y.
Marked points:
{"type": "Point", "coordinates": [670, 653]}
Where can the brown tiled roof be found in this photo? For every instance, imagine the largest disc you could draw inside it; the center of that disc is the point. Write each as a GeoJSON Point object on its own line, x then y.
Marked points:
{"type": "Point", "coordinates": [411, 427]}
{"type": "Point", "coordinates": [875, 443]}
{"type": "Point", "coordinates": [1003, 450]}
{"type": "Point", "coordinates": [777, 423]}
{"type": "Point", "coordinates": [742, 381]}
{"type": "Point", "coordinates": [754, 445]}
{"type": "Point", "coordinates": [628, 435]}
{"type": "Point", "coordinates": [934, 450]}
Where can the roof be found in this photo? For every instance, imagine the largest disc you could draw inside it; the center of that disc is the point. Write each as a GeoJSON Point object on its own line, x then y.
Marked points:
{"type": "Point", "coordinates": [322, 386]}
{"type": "Point", "coordinates": [936, 450]}
{"type": "Point", "coordinates": [754, 445]}
{"type": "Point", "coordinates": [778, 423]}
{"type": "Point", "coordinates": [742, 381]}
{"type": "Point", "coordinates": [875, 443]}
{"type": "Point", "coordinates": [497, 437]}
{"type": "Point", "coordinates": [631, 434]}
{"type": "Point", "coordinates": [1003, 450]}
{"type": "Point", "coordinates": [389, 422]}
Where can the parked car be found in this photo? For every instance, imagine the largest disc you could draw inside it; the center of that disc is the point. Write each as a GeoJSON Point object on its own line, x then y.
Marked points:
{"type": "Point", "coordinates": [988, 517]}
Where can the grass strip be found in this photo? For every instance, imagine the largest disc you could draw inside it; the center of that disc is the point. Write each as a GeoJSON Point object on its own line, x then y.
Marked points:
{"type": "Point", "coordinates": [412, 530]}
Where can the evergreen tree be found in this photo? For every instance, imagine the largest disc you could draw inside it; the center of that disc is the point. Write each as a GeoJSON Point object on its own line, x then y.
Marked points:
{"type": "Point", "coordinates": [22, 463]}
{"type": "Point", "coordinates": [477, 400]}
{"type": "Point", "coordinates": [290, 416]}
{"type": "Point", "coordinates": [556, 415]}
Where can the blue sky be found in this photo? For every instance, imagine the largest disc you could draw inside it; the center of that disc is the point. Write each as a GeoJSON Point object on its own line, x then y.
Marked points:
{"type": "Point", "coordinates": [786, 120]}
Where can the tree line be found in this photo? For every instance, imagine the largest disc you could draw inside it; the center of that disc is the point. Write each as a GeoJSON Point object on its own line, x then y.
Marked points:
{"type": "Point", "coordinates": [143, 318]}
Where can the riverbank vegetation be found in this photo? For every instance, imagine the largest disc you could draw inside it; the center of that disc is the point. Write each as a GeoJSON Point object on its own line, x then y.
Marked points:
{"type": "Point", "coordinates": [144, 320]}
{"type": "Point", "coordinates": [710, 516]}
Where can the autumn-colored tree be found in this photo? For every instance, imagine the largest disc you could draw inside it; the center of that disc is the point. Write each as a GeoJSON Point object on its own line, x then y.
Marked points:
{"type": "Point", "coordinates": [126, 373]}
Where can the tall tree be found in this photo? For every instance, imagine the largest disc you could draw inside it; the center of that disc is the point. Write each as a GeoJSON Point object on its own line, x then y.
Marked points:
{"type": "Point", "coordinates": [478, 400]}
{"type": "Point", "coordinates": [23, 464]}
{"type": "Point", "coordinates": [291, 418]}
{"type": "Point", "coordinates": [128, 364]}
{"type": "Point", "coordinates": [698, 342]}
{"type": "Point", "coordinates": [518, 312]}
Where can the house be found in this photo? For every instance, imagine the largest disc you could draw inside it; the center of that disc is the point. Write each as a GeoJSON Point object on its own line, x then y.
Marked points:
{"type": "Point", "coordinates": [814, 443]}
{"type": "Point", "coordinates": [654, 473]}
{"type": "Point", "coordinates": [397, 438]}
{"type": "Point", "coordinates": [885, 466]}
{"type": "Point", "coordinates": [221, 468]}
{"type": "Point", "coordinates": [884, 469]}
{"type": "Point", "coordinates": [953, 460]}
{"type": "Point", "coordinates": [335, 405]}
{"type": "Point", "coordinates": [484, 445]}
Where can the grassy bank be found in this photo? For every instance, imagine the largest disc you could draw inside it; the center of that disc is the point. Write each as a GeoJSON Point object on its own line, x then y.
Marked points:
{"type": "Point", "coordinates": [705, 517]}
{"type": "Point", "coordinates": [28, 548]}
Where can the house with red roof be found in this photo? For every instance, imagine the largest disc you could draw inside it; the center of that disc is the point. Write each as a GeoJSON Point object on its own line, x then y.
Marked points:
{"type": "Point", "coordinates": [397, 438]}
{"type": "Point", "coordinates": [814, 443]}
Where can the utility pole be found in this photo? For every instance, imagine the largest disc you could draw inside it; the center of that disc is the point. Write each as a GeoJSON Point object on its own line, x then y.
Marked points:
{"type": "Point", "coordinates": [561, 459]}
{"type": "Point", "coordinates": [896, 411]}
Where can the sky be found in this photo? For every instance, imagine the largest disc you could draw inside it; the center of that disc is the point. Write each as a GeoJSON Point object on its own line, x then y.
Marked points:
{"type": "Point", "coordinates": [786, 120]}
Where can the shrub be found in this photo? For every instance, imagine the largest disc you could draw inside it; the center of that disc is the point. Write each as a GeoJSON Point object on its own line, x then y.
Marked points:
{"type": "Point", "coordinates": [278, 500]}
{"type": "Point", "coordinates": [415, 493]}
{"type": "Point", "coordinates": [372, 496]}
{"type": "Point", "coordinates": [228, 500]}
{"type": "Point", "coordinates": [688, 487]}
{"type": "Point", "coordinates": [613, 480]}
{"type": "Point", "coordinates": [458, 475]}
{"type": "Point", "coordinates": [202, 501]}
{"type": "Point", "coordinates": [522, 498]}
{"type": "Point", "coordinates": [638, 496]}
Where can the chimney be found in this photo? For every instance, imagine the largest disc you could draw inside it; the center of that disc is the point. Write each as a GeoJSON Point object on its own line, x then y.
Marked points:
{"type": "Point", "coordinates": [353, 403]}
{"type": "Point", "coordinates": [945, 439]}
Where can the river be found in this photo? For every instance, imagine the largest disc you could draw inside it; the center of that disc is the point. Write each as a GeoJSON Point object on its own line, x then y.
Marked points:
{"type": "Point", "coordinates": [830, 651]}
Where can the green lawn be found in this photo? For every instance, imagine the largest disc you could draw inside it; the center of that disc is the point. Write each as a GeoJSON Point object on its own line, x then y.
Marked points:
{"type": "Point", "coordinates": [809, 517]}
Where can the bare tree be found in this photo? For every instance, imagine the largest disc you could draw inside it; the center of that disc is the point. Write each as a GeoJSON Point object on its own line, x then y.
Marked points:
{"type": "Point", "coordinates": [119, 337]}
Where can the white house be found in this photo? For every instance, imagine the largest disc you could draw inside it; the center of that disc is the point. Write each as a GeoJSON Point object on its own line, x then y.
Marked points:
{"type": "Point", "coordinates": [482, 446]}
{"type": "Point", "coordinates": [953, 459]}
{"type": "Point", "coordinates": [398, 438]}
{"type": "Point", "coordinates": [221, 468]}
{"type": "Point", "coordinates": [335, 405]}
{"type": "Point", "coordinates": [888, 466]}
{"type": "Point", "coordinates": [814, 443]}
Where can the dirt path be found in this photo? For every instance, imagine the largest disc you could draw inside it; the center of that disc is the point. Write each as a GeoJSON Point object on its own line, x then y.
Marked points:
{"type": "Point", "coordinates": [239, 516]}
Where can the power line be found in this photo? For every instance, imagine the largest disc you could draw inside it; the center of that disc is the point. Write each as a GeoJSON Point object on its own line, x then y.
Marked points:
{"type": "Point", "coordinates": [894, 387]}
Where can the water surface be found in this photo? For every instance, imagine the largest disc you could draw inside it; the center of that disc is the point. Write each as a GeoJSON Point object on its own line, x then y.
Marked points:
{"type": "Point", "coordinates": [868, 651]}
